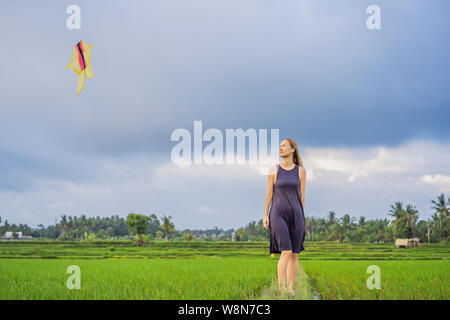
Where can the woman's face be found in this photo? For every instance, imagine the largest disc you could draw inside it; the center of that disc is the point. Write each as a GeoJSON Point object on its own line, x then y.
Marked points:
{"type": "Point", "coordinates": [285, 149]}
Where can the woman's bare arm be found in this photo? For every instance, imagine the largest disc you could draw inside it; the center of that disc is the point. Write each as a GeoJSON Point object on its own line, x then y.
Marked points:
{"type": "Point", "coordinates": [302, 176]}
{"type": "Point", "coordinates": [269, 195]}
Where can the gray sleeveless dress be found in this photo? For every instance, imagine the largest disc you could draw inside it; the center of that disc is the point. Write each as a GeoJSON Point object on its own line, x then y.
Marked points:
{"type": "Point", "coordinates": [287, 223]}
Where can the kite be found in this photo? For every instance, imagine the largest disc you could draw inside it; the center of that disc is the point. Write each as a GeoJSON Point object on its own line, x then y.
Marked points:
{"type": "Point", "coordinates": [81, 63]}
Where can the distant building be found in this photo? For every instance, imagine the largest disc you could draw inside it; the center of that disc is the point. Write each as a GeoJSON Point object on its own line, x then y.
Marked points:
{"type": "Point", "coordinates": [414, 242]}
{"type": "Point", "coordinates": [406, 243]}
{"type": "Point", "coordinates": [9, 235]}
{"type": "Point", "coordinates": [401, 243]}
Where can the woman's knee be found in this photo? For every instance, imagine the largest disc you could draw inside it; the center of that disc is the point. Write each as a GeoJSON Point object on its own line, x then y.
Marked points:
{"type": "Point", "coordinates": [286, 253]}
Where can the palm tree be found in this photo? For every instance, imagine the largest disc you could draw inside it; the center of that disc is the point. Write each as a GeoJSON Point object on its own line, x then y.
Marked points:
{"type": "Point", "coordinates": [63, 225]}
{"type": "Point", "coordinates": [41, 226]}
{"type": "Point", "coordinates": [331, 218]}
{"type": "Point", "coordinates": [6, 224]}
{"type": "Point", "coordinates": [309, 227]}
{"type": "Point", "coordinates": [398, 213]}
{"type": "Point", "coordinates": [411, 217]}
{"type": "Point", "coordinates": [441, 213]}
{"type": "Point", "coordinates": [347, 223]}
{"type": "Point", "coordinates": [167, 226]}
{"type": "Point", "coordinates": [429, 224]}
{"type": "Point", "coordinates": [336, 232]}
{"type": "Point", "coordinates": [251, 229]}
{"type": "Point", "coordinates": [381, 226]}
{"type": "Point", "coordinates": [362, 222]}
{"type": "Point", "coordinates": [240, 235]}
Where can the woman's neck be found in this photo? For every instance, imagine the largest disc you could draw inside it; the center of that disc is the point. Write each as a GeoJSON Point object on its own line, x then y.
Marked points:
{"type": "Point", "coordinates": [287, 163]}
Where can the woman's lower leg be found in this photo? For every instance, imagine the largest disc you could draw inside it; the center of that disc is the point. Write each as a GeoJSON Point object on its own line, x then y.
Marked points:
{"type": "Point", "coordinates": [292, 268]}
{"type": "Point", "coordinates": [282, 269]}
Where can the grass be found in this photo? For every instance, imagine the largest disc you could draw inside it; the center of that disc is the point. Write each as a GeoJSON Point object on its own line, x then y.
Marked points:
{"type": "Point", "coordinates": [399, 280]}
{"type": "Point", "coordinates": [183, 249]}
{"type": "Point", "coordinates": [218, 270]}
{"type": "Point", "coordinates": [222, 278]}
{"type": "Point", "coordinates": [302, 287]}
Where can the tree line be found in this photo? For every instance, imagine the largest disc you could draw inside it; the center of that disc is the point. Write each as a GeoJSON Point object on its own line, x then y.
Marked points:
{"type": "Point", "coordinates": [405, 223]}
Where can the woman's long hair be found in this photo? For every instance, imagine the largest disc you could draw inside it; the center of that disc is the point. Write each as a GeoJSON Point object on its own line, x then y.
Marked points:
{"type": "Point", "coordinates": [297, 159]}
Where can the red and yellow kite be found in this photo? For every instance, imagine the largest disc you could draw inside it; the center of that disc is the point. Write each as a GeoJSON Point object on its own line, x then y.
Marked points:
{"type": "Point", "coordinates": [81, 63]}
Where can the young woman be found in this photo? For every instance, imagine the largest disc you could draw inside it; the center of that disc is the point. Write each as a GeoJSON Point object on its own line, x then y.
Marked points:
{"type": "Point", "coordinates": [286, 222]}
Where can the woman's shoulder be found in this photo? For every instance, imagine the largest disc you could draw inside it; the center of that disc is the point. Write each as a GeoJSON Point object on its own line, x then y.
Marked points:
{"type": "Point", "coordinates": [301, 170]}
{"type": "Point", "coordinates": [274, 169]}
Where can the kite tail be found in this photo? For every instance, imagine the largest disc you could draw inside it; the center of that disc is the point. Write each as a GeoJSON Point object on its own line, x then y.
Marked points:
{"type": "Point", "coordinates": [81, 78]}
{"type": "Point", "coordinates": [89, 72]}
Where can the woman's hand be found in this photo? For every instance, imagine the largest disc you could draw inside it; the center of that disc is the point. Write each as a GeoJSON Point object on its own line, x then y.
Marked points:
{"type": "Point", "coordinates": [266, 222]}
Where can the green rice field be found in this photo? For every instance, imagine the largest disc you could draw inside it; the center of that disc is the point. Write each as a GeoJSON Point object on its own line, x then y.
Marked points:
{"type": "Point", "coordinates": [218, 270]}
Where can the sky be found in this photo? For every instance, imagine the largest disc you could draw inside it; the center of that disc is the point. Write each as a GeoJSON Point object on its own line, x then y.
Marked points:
{"type": "Point", "coordinates": [369, 109]}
